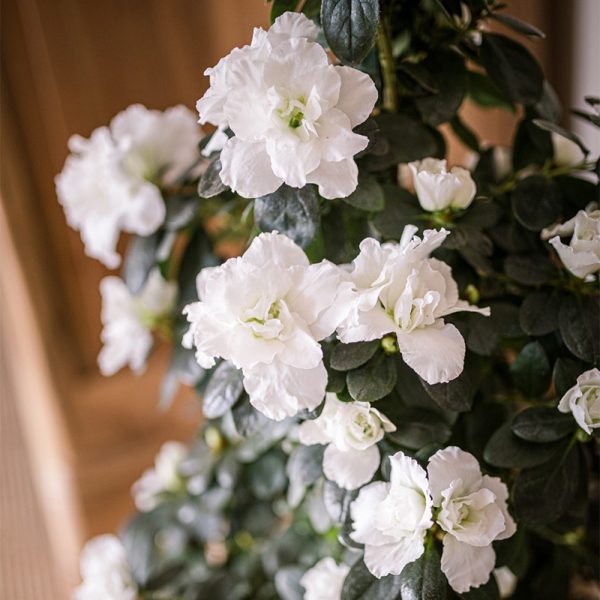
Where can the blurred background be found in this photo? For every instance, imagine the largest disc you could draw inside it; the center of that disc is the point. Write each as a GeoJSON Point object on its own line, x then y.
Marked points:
{"type": "Point", "coordinates": [71, 441]}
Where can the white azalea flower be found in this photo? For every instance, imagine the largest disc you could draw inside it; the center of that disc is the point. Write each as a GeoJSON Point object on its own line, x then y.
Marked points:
{"type": "Point", "coordinates": [583, 401]}
{"type": "Point", "coordinates": [110, 181]}
{"type": "Point", "coordinates": [164, 477]}
{"type": "Point", "coordinates": [566, 152]}
{"type": "Point", "coordinates": [266, 312]}
{"type": "Point", "coordinates": [472, 512]}
{"type": "Point", "coordinates": [128, 320]}
{"type": "Point", "coordinates": [292, 113]}
{"type": "Point", "coordinates": [438, 189]}
{"type": "Point", "coordinates": [351, 430]}
{"type": "Point", "coordinates": [399, 289]}
{"type": "Point", "coordinates": [391, 519]}
{"type": "Point", "coordinates": [506, 581]}
{"type": "Point", "coordinates": [582, 255]}
{"type": "Point", "coordinates": [105, 571]}
{"type": "Point", "coordinates": [324, 581]}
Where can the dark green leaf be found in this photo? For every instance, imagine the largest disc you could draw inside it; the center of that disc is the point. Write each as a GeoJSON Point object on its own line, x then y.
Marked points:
{"type": "Point", "coordinates": [464, 133]}
{"type": "Point", "coordinates": [483, 91]}
{"type": "Point", "coordinates": [210, 183]}
{"type": "Point", "coordinates": [247, 419]}
{"type": "Point", "coordinates": [305, 465]}
{"type": "Point", "coordinates": [423, 579]}
{"type": "Point", "coordinates": [538, 314]}
{"type": "Point", "coordinates": [512, 68]}
{"type": "Point", "coordinates": [514, 553]}
{"type": "Point", "coordinates": [507, 451]}
{"type": "Point", "coordinates": [180, 212]}
{"type": "Point", "coordinates": [531, 370]}
{"type": "Point", "coordinates": [367, 196]}
{"type": "Point", "coordinates": [292, 211]}
{"type": "Point", "coordinates": [267, 476]}
{"type": "Point", "coordinates": [565, 374]}
{"type": "Point", "coordinates": [579, 323]}
{"type": "Point", "coordinates": [536, 202]}
{"type": "Point", "coordinates": [456, 395]}
{"type": "Point", "coordinates": [544, 493]}
{"type": "Point", "coordinates": [278, 7]}
{"type": "Point", "coordinates": [531, 145]}
{"type": "Point", "coordinates": [482, 213]}
{"type": "Point", "coordinates": [223, 391]}
{"type": "Point", "coordinates": [542, 424]}
{"type": "Point", "coordinates": [345, 357]}
{"type": "Point", "coordinates": [449, 73]}
{"type": "Point", "coordinates": [350, 27]}
{"type": "Point", "coordinates": [336, 381]}
{"type": "Point", "coordinates": [549, 107]}
{"type": "Point", "coordinates": [416, 428]}
{"type": "Point", "coordinates": [401, 209]}
{"type": "Point", "coordinates": [361, 585]}
{"type": "Point", "coordinates": [140, 259]}
{"type": "Point", "coordinates": [505, 318]}
{"type": "Point", "coordinates": [374, 380]}
{"type": "Point", "coordinates": [519, 26]}
{"type": "Point", "coordinates": [532, 269]}
{"type": "Point", "coordinates": [478, 331]}
{"type": "Point", "coordinates": [554, 128]}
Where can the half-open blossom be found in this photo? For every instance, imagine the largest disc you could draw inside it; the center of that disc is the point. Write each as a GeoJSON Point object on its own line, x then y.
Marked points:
{"type": "Point", "coordinates": [105, 571]}
{"type": "Point", "coordinates": [399, 289]}
{"type": "Point", "coordinates": [161, 479]}
{"type": "Point", "coordinates": [129, 319]}
{"type": "Point", "coordinates": [472, 512]}
{"type": "Point", "coordinates": [266, 313]}
{"type": "Point", "coordinates": [111, 181]}
{"type": "Point", "coordinates": [324, 581]}
{"type": "Point", "coordinates": [438, 189]}
{"type": "Point", "coordinates": [291, 112]}
{"type": "Point", "coordinates": [391, 519]}
{"type": "Point", "coordinates": [351, 430]}
{"type": "Point", "coordinates": [582, 255]}
{"type": "Point", "coordinates": [583, 401]}
{"type": "Point", "coordinates": [566, 152]}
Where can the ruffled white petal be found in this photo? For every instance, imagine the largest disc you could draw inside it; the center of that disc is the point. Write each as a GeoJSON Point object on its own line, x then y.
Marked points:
{"type": "Point", "coordinates": [350, 468]}
{"type": "Point", "coordinates": [466, 566]}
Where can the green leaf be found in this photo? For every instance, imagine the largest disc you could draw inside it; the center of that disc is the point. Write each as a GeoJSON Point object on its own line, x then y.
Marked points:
{"type": "Point", "coordinates": [223, 391]}
{"type": "Point", "coordinates": [401, 209]}
{"type": "Point", "coordinates": [140, 259]}
{"type": "Point", "coordinates": [345, 357]}
{"type": "Point", "coordinates": [482, 213]}
{"type": "Point", "coordinates": [305, 465]}
{"type": "Point", "coordinates": [538, 314]}
{"type": "Point", "coordinates": [531, 269]}
{"type": "Point", "coordinates": [350, 27]}
{"type": "Point", "coordinates": [483, 91]}
{"type": "Point", "coordinates": [361, 585]}
{"type": "Point", "coordinates": [210, 183]}
{"type": "Point", "coordinates": [278, 7]}
{"type": "Point", "coordinates": [181, 211]}
{"type": "Point", "coordinates": [542, 494]}
{"type": "Point", "coordinates": [508, 451]}
{"type": "Point", "coordinates": [465, 134]}
{"type": "Point", "coordinates": [336, 381]}
{"type": "Point", "coordinates": [549, 107]}
{"type": "Point", "coordinates": [531, 370]}
{"type": "Point", "coordinates": [247, 419]}
{"type": "Point", "coordinates": [542, 424]}
{"type": "Point", "coordinates": [416, 428]}
{"type": "Point", "coordinates": [519, 26]}
{"type": "Point", "coordinates": [294, 212]}
{"type": "Point", "coordinates": [554, 128]}
{"type": "Point", "coordinates": [367, 196]}
{"type": "Point", "coordinates": [267, 477]}
{"type": "Point", "coordinates": [514, 553]}
{"type": "Point", "coordinates": [531, 145]}
{"type": "Point", "coordinates": [337, 501]}
{"type": "Point", "coordinates": [512, 68]}
{"type": "Point", "coordinates": [565, 374]}
{"type": "Point", "coordinates": [423, 579]}
{"type": "Point", "coordinates": [374, 380]}
{"type": "Point", "coordinates": [448, 71]}
{"type": "Point", "coordinates": [579, 324]}
{"type": "Point", "coordinates": [536, 202]}
{"type": "Point", "coordinates": [478, 331]}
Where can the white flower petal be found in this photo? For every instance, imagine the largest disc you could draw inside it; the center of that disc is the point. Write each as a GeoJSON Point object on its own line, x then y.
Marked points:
{"type": "Point", "coordinates": [466, 566]}
{"type": "Point", "coordinates": [581, 264]}
{"type": "Point", "coordinates": [294, 25]}
{"type": "Point", "coordinates": [390, 559]}
{"type": "Point", "coordinates": [364, 514]}
{"type": "Point", "coordinates": [275, 249]}
{"type": "Point", "coordinates": [350, 468]}
{"type": "Point", "coordinates": [358, 95]}
{"type": "Point", "coordinates": [496, 485]}
{"type": "Point", "coordinates": [451, 464]}
{"type": "Point", "coordinates": [436, 353]}
{"type": "Point", "coordinates": [325, 580]}
{"type": "Point", "coordinates": [335, 179]}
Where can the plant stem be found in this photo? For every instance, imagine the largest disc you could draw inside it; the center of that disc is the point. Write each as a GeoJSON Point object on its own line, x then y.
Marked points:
{"type": "Point", "coordinates": [388, 68]}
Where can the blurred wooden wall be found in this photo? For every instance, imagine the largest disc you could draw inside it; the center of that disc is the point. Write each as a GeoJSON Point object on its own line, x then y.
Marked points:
{"type": "Point", "coordinates": [67, 67]}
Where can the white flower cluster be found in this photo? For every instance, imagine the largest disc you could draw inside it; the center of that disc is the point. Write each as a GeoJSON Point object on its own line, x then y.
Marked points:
{"type": "Point", "coordinates": [392, 519]}
{"type": "Point", "coordinates": [582, 255]}
{"type": "Point", "coordinates": [351, 430]}
{"type": "Point", "coordinates": [583, 401]}
{"type": "Point", "coordinates": [291, 112]}
{"type": "Point", "coordinates": [105, 572]}
{"type": "Point", "coordinates": [129, 319]}
{"type": "Point", "coordinates": [111, 182]}
{"type": "Point", "coordinates": [164, 477]}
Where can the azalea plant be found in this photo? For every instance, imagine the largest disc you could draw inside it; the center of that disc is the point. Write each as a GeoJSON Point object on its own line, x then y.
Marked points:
{"type": "Point", "coordinates": [397, 358]}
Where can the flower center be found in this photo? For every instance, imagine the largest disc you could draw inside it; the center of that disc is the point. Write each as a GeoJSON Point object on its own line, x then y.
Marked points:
{"type": "Point", "coordinates": [264, 324]}
{"type": "Point", "coordinates": [292, 110]}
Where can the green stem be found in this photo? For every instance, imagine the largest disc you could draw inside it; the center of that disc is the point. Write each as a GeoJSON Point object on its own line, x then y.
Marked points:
{"type": "Point", "coordinates": [388, 68]}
